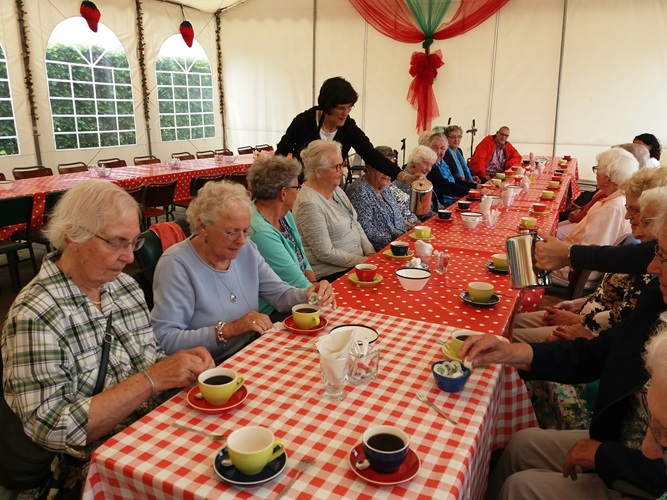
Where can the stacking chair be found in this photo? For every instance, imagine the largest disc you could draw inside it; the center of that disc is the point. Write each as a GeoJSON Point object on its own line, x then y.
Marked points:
{"type": "Point", "coordinates": [156, 195]}
{"type": "Point", "coordinates": [13, 211]}
{"type": "Point", "coordinates": [111, 163]}
{"type": "Point", "coordinates": [184, 155]}
{"type": "Point", "coordinates": [70, 168]}
{"type": "Point", "coordinates": [246, 150]}
{"type": "Point", "coordinates": [224, 151]}
{"type": "Point", "coordinates": [136, 192]}
{"type": "Point", "coordinates": [239, 177]}
{"type": "Point", "coordinates": [30, 172]}
{"type": "Point", "coordinates": [146, 160]}
{"type": "Point", "coordinates": [37, 235]}
{"type": "Point", "coordinates": [264, 147]}
{"type": "Point", "coordinates": [196, 183]}
{"type": "Point", "coordinates": [2, 177]}
{"type": "Point", "coordinates": [205, 154]}
{"type": "Point", "coordinates": [356, 168]}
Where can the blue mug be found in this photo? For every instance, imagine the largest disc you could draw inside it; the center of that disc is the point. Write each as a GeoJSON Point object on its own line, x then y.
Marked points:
{"type": "Point", "coordinates": [385, 448]}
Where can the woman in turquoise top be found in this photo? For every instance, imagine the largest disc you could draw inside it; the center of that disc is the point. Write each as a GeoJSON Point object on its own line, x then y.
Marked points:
{"type": "Point", "coordinates": [274, 185]}
{"type": "Point", "coordinates": [454, 156]}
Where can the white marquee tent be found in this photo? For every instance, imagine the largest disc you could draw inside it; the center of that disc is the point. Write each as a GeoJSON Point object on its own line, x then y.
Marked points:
{"type": "Point", "coordinates": [567, 76]}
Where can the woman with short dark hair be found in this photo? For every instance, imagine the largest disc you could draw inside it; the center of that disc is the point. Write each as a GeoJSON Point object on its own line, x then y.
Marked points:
{"type": "Point", "coordinates": [650, 142]}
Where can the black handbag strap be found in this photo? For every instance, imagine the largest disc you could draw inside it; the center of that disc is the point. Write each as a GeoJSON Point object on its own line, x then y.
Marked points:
{"type": "Point", "coordinates": [106, 344]}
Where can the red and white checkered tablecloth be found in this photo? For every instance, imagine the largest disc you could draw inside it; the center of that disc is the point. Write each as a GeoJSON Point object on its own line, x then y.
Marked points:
{"type": "Point", "coordinates": [123, 176]}
{"type": "Point", "coordinates": [152, 459]}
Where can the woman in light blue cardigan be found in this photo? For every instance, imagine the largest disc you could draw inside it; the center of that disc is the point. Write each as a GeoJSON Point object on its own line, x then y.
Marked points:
{"type": "Point", "coordinates": [274, 185]}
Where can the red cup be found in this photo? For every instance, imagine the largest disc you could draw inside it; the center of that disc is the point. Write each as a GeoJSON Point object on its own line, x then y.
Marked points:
{"type": "Point", "coordinates": [365, 272]}
{"type": "Point", "coordinates": [539, 207]}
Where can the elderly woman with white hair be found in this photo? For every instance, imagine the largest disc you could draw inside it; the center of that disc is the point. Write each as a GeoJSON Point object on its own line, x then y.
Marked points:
{"type": "Point", "coordinates": [605, 222]}
{"type": "Point", "coordinates": [207, 288]}
{"type": "Point", "coordinates": [420, 162]}
{"type": "Point", "coordinates": [332, 236]}
{"type": "Point", "coordinates": [68, 397]}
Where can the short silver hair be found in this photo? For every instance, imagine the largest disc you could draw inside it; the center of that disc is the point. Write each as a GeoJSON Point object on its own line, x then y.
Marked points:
{"type": "Point", "coordinates": [315, 156]}
{"type": "Point", "coordinates": [270, 174]}
{"type": "Point", "coordinates": [643, 180]}
{"type": "Point", "coordinates": [87, 209]}
{"type": "Point", "coordinates": [428, 137]}
{"type": "Point", "coordinates": [421, 153]}
{"type": "Point", "coordinates": [660, 222]}
{"type": "Point", "coordinates": [214, 201]}
{"type": "Point", "coordinates": [655, 355]}
{"type": "Point", "coordinates": [617, 164]}
{"type": "Point", "coordinates": [640, 152]}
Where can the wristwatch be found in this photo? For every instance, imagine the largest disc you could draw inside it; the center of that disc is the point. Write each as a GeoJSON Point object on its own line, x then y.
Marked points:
{"type": "Point", "coordinates": [219, 334]}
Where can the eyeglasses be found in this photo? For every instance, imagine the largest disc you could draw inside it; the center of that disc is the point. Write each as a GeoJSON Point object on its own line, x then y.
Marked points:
{"type": "Point", "coordinates": [658, 254]}
{"type": "Point", "coordinates": [120, 244]}
{"type": "Point", "coordinates": [297, 187]}
{"type": "Point", "coordinates": [631, 209]}
{"type": "Point", "coordinates": [595, 169]}
{"type": "Point", "coordinates": [338, 168]}
{"type": "Point", "coordinates": [236, 235]}
{"type": "Point", "coordinates": [643, 403]}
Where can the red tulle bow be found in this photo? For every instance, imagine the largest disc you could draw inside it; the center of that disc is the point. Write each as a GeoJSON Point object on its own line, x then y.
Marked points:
{"type": "Point", "coordinates": [91, 14]}
{"type": "Point", "coordinates": [424, 69]}
{"type": "Point", "coordinates": [187, 33]}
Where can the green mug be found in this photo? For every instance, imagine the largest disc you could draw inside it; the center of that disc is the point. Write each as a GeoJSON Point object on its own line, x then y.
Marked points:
{"type": "Point", "coordinates": [252, 448]}
{"type": "Point", "coordinates": [306, 316]}
{"type": "Point", "coordinates": [218, 385]}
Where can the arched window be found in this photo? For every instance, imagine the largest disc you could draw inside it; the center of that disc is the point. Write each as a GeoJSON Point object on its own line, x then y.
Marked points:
{"type": "Point", "coordinates": [9, 141]}
{"type": "Point", "coordinates": [184, 90]}
{"type": "Point", "coordinates": [90, 89]}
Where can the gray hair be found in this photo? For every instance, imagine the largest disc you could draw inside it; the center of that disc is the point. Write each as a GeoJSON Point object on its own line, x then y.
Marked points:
{"type": "Point", "coordinates": [315, 156]}
{"type": "Point", "coordinates": [617, 164]}
{"type": "Point", "coordinates": [214, 201]}
{"type": "Point", "coordinates": [453, 128]}
{"type": "Point", "coordinates": [655, 356]}
{"type": "Point", "coordinates": [428, 137]}
{"type": "Point", "coordinates": [640, 152]}
{"type": "Point", "coordinates": [644, 179]}
{"type": "Point", "coordinates": [270, 174]}
{"type": "Point", "coordinates": [421, 153]}
{"type": "Point", "coordinates": [660, 221]}
{"type": "Point", "coordinates": [86, 209]}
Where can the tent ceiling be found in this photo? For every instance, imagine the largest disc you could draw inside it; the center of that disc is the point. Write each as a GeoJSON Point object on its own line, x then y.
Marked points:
{"type": "Point", "coordinates": [206, 5]}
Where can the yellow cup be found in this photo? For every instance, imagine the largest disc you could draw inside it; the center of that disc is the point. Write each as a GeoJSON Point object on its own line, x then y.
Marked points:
{"type": "Point", "coordinates": [458, 338]}
{"type": "Point", "coordinates": [218, 385]}
{"type": "Point", "coordinates": [499, 261]}
{"type": "Point", "coordinates": [496, 182]}
{"type": "Point", "coordinates": [252, 448]}
{"type": "Point", "coordinates": [554, 184]}
{"type": "Point", "coordinates": [529, 222]}
{"type": "Point", "coordinates": [547, 194]}
{"type": "Point", "coordinates": [306, 316]}
{"type": "Point", "coordinates": [422, 231]}
{"type": "Point", "coordinates": [500, 175]}
{"type": "Point", "coordinates": [478, 291]}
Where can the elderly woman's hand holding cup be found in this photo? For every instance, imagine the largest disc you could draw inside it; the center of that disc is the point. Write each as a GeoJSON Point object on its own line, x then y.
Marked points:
{"type": "Point", "coordinates": [552, 253]}
{"type": "Point", "coordinates": [482, 349]}
{"type": "Point", "coordinates": [325, 293]}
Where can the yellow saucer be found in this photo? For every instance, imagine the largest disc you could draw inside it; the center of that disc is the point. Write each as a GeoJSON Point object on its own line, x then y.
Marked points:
{"type": "Point", "coordinates": [407, 256]}
{"type": "Point", "coordinates": [376, 280]}
{"type": "Point", "coordinates": [427, 238]}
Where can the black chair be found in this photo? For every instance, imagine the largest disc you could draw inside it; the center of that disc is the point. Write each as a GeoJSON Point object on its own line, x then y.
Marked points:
{"type": "Point", "coordinates": [264, 147]}
{"type": "Point", "coordinates": [70, 168]}
{"type": "Point", "coordinates": [31, 172]}
{"type": "Point", "coordinates": [13, 211]}
{"type": "Point", "coordinates": [156, 195]}
{"type": "Point", "coordinates": [184, 155]}
{"type": "Point", "coordinates": [37, 235]}
{"type": "Point", "coordinates": [111, 163]}
{"type": "Point", "coordinates": [2, 177]}
{"type": "Point", "coordinates": [146, 160]}
{"type": "Point", "coordinates": [246, 150]}
{"type": "Point", "coordinates": [136, 192]}
{"type": "Point", "coordinates": [196, 183]}
{"type": "Point", "coordinates": [205, 154]}
{"type": "Point", "coordinates": [224, 152]}
{"type": "Point", "coordinates": [238, 177]}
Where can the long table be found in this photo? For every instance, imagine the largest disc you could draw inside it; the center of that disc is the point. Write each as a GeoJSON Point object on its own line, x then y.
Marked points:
{"type": "Point", "coordinates": [152, 459]}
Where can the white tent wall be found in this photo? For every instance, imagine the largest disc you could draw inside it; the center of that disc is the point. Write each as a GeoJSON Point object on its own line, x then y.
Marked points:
{"type": "Point", "coordinates": [606, 88]}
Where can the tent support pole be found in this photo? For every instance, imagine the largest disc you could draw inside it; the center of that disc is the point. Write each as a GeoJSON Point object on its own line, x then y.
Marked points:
{"type": "Point", "coordinates": [560, 76]}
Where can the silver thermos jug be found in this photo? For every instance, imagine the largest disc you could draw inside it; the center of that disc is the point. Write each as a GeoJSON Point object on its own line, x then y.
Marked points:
{"type": "Point", "coordinates": [420, 197]}
{"type": "Point", "coordinates": [521, 260]}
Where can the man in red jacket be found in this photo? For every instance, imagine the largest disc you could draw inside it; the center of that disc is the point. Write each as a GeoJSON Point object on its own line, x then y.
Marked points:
{"type": "Point", "coordinates": [494, 154]}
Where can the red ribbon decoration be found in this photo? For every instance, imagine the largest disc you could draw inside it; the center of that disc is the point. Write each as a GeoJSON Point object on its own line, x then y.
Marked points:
{"type": "Point", "coordinates": [187, 33]}
{"type": "Point", "coordinates": [424, 69]}
{"type": "Point", "coordinates": [91, 14]}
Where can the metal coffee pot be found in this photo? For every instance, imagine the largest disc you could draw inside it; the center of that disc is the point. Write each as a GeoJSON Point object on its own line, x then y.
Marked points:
{"type": "Point", "coordinates": [521, 260]}
{"type": "Point", "coordinates": [420, 197]}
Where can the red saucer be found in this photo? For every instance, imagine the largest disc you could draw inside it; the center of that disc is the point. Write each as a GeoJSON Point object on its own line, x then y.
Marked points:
{"type": "Point", "coordinates": [291, 325]}
{"type": "Point", "coordinates": [201, 404]}
{"type": "Point", "coordinates": [408, 469]}
{"type": "Point", "coordinates": [524, 228]}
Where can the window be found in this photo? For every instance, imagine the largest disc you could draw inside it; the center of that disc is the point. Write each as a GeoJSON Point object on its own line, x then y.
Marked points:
{"type": "Point", "coordinates": [185, 91]}
{"type": "Point", "coordinates": [9, 141]}
{"type": "Point", "coordinates": [90, 90]}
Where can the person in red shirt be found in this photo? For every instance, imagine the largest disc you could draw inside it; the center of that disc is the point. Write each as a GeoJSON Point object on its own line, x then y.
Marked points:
{"type": "Point", "coordinates": [494, 154]}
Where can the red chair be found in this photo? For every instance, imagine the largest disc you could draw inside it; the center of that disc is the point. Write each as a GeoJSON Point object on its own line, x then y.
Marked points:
{"type": "Point", "coordinates": [184, 155]}
{"type": "Point", "coordinates": [246, 150]}
{"type": "Point", "coordinates": [70, 168]}
{"type": "Point", "coordinates": [205, 154]}
{"type": "Point", "coordinates": [224, 152]}
{"type": "Point", "coordinates": [31, 172]}
{"type": "Point", "coordinates": [156, 195]}
{"type": "Point", "coordinates": [146, 160]}
{"type": "Point", "coordinates": [264, 147]}
{"type": "Point", "coordinates": [2, 177]}
{"type": "Point", "coordinates": [111, 163]}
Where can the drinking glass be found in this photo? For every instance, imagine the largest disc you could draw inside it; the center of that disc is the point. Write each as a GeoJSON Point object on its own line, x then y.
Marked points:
{"type": "Point", "coordinates": [334, 379]}
{"type": "Point", "coordinates": [364, 367]}
{"type": "Point", "coordinates": [442, 262]}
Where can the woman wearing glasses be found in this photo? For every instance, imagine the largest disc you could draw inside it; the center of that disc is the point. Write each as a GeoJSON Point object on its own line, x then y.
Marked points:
{"type": "Point", "coordinates": [52, 352]}
{"type": "Point", "coordinates": [274, 185]}
{"type": "Point", "coordinates": [207, 288]}
{"type": "Point", "coordinates": [332, 237]}
{"type": "Point", "coordinates": [330, 121]}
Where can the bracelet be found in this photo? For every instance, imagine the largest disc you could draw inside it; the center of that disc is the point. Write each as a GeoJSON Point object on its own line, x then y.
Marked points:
{"type": "Point", "coordinates": [145, 374]}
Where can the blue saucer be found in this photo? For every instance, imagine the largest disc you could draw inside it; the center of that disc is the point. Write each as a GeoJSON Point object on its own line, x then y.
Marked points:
{"type": "Point", "coordinates": [231, 475]}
